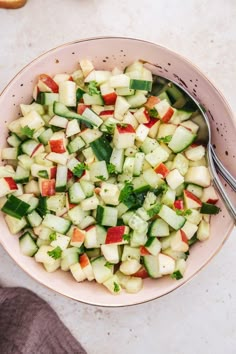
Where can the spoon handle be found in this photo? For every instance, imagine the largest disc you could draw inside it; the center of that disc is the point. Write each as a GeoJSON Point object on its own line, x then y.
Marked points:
{"type": "Point", "coordinates": [231, 209]}
{"type": "Point", "coordinates": [223, 171]}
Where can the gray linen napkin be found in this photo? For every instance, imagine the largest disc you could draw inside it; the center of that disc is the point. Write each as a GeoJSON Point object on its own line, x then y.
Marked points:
{"type": "Point", "coordinates": [28, 325]}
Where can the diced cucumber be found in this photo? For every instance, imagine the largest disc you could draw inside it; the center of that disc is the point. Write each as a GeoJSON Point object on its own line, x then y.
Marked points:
{"type": "Point", "coordinates": [181, 139]}
{"type": "Point", "coordinates": [210, 209]}
{"type": "Point", "coordinates": [47, 98]}
{"type": "Point", "coordinates": [151, 263]}
{"type": "Point", "coordinates": [22, 175]}
{"type": "Point", "coordinates": [27, 245]}
{"type": "Point", "coordinates": [34, 219]}
{"type": "Point", "coordinates": [159, 228]}
{"type": "Point", "coordinates": [77, 214]}
{"type": "Point", "coordinates": [102, 271]}
{"type": "Point", "coordinates": [107, 216]}
{"type": "Point", "coordinates": [75, 145]}
{"type": "Point", "coordinates": [15, 207]}
{"type": "Point", "coordinates": [56, 223]}
{"type": "Point", "coordinates": [61, 178]}
{"type": "Point", "coordinates": [76, 193]}
{"type": "Point", "coordinates": [140, 85]}
{"type": "Point", "coordinates": [102, 149]}
{"type": "Point", "coordinates": [170, 216]}
{"type": "Point", "coordinates": [137, 100]}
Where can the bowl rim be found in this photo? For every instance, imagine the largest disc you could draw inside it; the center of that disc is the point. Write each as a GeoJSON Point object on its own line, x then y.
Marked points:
{"type": "Point", "coordinates": [231, 115]}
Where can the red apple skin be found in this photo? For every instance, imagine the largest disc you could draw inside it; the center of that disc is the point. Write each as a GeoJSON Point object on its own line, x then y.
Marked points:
{"type": "Point", "coordinates": [151, 122]}
{"type": "Point", "coordinates": [124, 129]}
{"type": "Point", "coordinates": [82, 107]}
{"type": "Point", "coordinates": [183, 236]}
{"type": "Point", "coordinates": [162, 170]}
{"type": "Point", "coordinates": [57, 146]}
{"type": "Point", "coordinates": [115, 234]}
{"type": "Point", "coordinates": [212, 201]}
{"type": "Point", "coordinates": [37, 147]}
{"type": "Point", "coordinates": [168, 115]}
{"type": "Point", "coordinates": [48, 187]}
{"type": "Point", "coordinates": [141, 273]}
{"type": "Point", "coordinates": [151, 102]}
{"type": "Point", "coordinates": [193, 197]}
{"type": "Point", "coordinates": [48, 81]}
{"type": "Point", "coordinates": [144, 251]}
{"type": "Point", "coordinates": [179, 204]}
{"type": "Point", "coordinates": [53, 172]}
{"type": "Point", "coordinates": [84, 260]}
{"type": "Point", "coordinates": [110, 98]}
{"type": "Point", "coordinates": [108, 112]}
{"type": "Point", "coordinates": [11, 183]}
{"type": "Point", "coordinates": [69, 175]}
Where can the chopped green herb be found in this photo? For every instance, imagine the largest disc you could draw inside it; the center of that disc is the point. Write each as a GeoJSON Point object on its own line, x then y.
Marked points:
{"type": "Point", "coordinates": [108, 265]}
{"type": "Point", "coordinates": [154, 210]}
{"type": "Point", "coordinates": [102, 178]}
{"type": "Point", "coordinates": [176, 275]}
{"type": "Point", "coordinates": [111, 168]}
{"type": "Point", "coordinates": [126, 237]}
{"type": "Point", "coordinates": [92, 88]}
{"type": "Point", "coordinates": [153, 112]}
{"type": "Point", "coordinates": [79, 169]}
{"type": "Point", "coordinates": [183, 212]}
{"type": "Point", "coordinates": [56, 253]}
{"type": "Point", "coordinates": [166, 139]}
{"type": "Point", "coordinates": [126, 192]}
{"type": "Point", "coordinates": [110, 128]}
{"type": "Point", "coordinates": [116, 287]}
{"type": "Point", "coordinates": [123, 125]}
{"type": "Point", "coordinates": [43, 174]}
{"type": "Point", "coordinates": [27, 131]}
{"type": "Point", "coordinates": [53, 236]}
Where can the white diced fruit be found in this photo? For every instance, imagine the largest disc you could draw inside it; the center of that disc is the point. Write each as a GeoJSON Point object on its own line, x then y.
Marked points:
{"type": "Point", "coordinates": [166, 264]}
{"type": "Point", "coordinates": [67, 93]}
{"type": "Point", "coordinates": [110, 193]}
{"type": "Point", "coordinates": [189, 229]}
{"type": "Point", "coordinates": [86, 66]}
{"type": "Point", "coordinates": [129, 118]}
{"type": "Point", "coordinates": [61, 241]}
{"type": "Point", "coordinates": [111, 253]}
{"type": "Point", "coordinates": [209, 195]}
{"type": "Point", "coordinates": [134, 285]}
{"type": "Point", "coordinates": [124, 136]}
{"type": "Point", "coordinates": [157, 156]}
{"type": "Point", "coordinates": [98, 169]}
{"type": "Point", "coordinates": [90, 203]}
{"type": "Point", "coordinates": [203, 231]}
{"type": "Point", "coordinates": [130, 266]}
{"type": "Point", "coordinates": [121, 80]}
{"type": "Point", "coordinates": [141, 115]}
{"type": "Point", "coordinates": [195, 153]}
{"type": "Point", "coordinates": [174, 179]}
{"type": "Point", "coordinates": [121, 107]}
{"type": "Point", "coordinates": [77, 272]}
{"type": "Point", "coordinates": [198, 175]}
{"type": "Point", "coordinates": [141, 133]}
{"type": "Point", "coordinates": [32, 120]}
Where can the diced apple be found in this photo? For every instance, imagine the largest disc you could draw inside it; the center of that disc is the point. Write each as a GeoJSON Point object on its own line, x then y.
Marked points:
{"type": "Point", "coordinates": [77, 272]}
{"type": "Point", "coordinates": [124, 136]}
{"type": "Point", "coordinates": [47, 84]}
{"type": "Point", "coordinates": [203, 232]}
{"type": "Point", "coordinates": [198, 175]}
{"type": "Point", "coordinates": [115, 235]}
{"type": "Point", "coordinates": [209, 195]}
{"type": "Point", "coordinates": [129, 118]}
{"type": "Point", "coordinates": [191, 201]}
{"type": "Point", "coordinates": [130, 266]}
{"type": "Point", "coordinates": [165, 111]}
{"type": "Point", "coordinates": [86, 266]}
{"type": "Point", "coordinates": [78, 237]}
{"type": "Point", "coordinates": [195, 153]}
{"type": "Point", "coordinates": [166, 264]}
{"type": "Point", "coordinates": [157, 156]}
{"type": "Point", "coordinates": [141, 133]}
{"type": "Point", "coordinates": [151, 102]}
{"type": "Point", "coordinates": [142, 115]}
{"type": "Point", "coordinates": [178, 242]}
{"type": "Point", "coordinates": [189, 229]}
{"type": "Point", "coordinates": [174, 179]}
{"type": "Point", "coordinates": [121, 107]}
{"type": "Point", "coordinates": [111, 253]}
{"type": "Point", "coordinates": [109, 193]}
{"type": "Point", "coordinates": [153, 126]}
{"type": "Point", "coordinates": [121, 80]}
{"type": "Point", "coordinates": [86, 66]}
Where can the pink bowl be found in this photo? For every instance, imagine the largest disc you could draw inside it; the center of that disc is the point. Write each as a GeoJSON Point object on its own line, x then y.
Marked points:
{"type": "Point", "coordinates": [106, 53]}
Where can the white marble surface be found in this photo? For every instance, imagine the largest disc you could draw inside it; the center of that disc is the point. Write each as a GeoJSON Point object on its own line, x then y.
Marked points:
{"type": "Point", "coordinates": [200, 317]}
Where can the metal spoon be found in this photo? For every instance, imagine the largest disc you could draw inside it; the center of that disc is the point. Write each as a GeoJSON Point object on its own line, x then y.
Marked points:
{"type": "Point", "coordinates": [204, 137]}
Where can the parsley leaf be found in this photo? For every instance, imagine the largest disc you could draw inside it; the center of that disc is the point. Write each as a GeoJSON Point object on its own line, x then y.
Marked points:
{"type": "Point", "coordinates": [79, 169]}
{"type": "Point", "coordinates": [53, 236]}
{"type": "Point", "coordinates": [110, 128]}
{"type": "Point", "coordinates": [166, 139]}
{"type": "Point", "coordinates": [116, 287]}
{"type": "Point", "coordinates": [102, 178]}
{"type": "Point", "coordinates": [126, 237]}
{"type": "Point", "coordinates": [154, 210]}
{"type": "Point", "coordinates": [153, 112]}
{"type": "Point", "coordinates": [111, 168]}
{"type": "Point", "coordinates": [92, 88]}
{"type": "Point", "coordinates": [183, 212]}
{"type": "Point", "coordinates": [27, 131]}
{"type": "Point", "coordinates": [125, 192]}
{"type": "Point", "coordinates": [56, 253]}
{"type": "Point", "coordinates": [176, 275]}
{"type": "Point", "coordinates": [108, 265]}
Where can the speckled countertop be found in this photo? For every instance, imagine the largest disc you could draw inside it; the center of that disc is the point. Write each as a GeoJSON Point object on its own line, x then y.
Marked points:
{"type": "Point", "coordinates": [199, 317]}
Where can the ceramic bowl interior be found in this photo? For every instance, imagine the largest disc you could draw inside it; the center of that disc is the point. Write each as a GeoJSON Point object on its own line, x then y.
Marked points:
{"type": "Point", "coordinates": [105, 54]}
